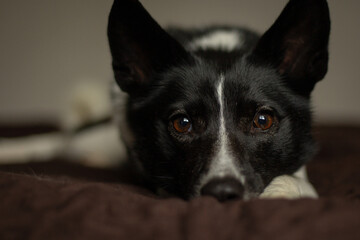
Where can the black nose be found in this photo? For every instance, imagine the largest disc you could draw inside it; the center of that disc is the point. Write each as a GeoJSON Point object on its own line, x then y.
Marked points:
{"type": "Point", "coordinates": [223, 189]}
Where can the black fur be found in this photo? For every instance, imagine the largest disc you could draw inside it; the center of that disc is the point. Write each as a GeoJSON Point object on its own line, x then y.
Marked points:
{"type": "Point", "coordinates": [274, 75]}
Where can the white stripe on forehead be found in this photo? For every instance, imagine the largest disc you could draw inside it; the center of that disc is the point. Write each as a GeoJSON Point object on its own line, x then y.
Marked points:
{"type": "Point", "coordinates": [220, 39]}
{"type": "Point", "coordinates": [224, 158]}
{"type": "Point", "coordinates": [223, 164]}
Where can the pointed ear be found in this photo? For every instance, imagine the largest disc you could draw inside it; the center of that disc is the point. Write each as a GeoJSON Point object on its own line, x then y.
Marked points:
{"type": "Point", "coordinates": [140, 48]}
{"type": "Point", "coordinates": [297, 44]}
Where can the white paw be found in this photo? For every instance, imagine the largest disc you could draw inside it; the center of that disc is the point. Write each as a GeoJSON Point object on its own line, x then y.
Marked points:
{"type": "Point", "coordinates": [289, 187]}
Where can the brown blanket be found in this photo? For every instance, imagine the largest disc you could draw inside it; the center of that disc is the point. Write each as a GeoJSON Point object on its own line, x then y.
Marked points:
{"type": "Point", "coordinates": [59, 200]}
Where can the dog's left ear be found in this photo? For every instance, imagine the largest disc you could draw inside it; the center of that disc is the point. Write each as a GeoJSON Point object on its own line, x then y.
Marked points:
{"type": "Point", "coordinates": [297, 44]}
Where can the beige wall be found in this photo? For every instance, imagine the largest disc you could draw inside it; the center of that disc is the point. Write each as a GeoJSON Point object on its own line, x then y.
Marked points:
{"type": "Point", "coordinates": [48, 46]}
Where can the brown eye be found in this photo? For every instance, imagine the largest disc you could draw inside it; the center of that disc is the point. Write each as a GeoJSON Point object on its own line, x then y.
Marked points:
{"type": "Point", "coordinates": [263, 120]}
{"type": "Point", "coordinates": [182, 124]}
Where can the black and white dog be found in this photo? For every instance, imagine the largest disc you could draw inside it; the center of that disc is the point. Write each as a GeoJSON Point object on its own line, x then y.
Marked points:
{"type": "Point", "coordinates": [220, 111]}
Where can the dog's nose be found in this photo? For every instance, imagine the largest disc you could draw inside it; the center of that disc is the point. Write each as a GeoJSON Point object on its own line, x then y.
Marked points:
{"type": "Point", "coordinates": [223, 189]}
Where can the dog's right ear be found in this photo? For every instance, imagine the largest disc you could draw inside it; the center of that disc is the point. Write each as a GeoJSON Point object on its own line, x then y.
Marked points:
{"type": "Point", "coordinates": [297, 44]}
{"type": "Point", "coordinates": [140, 48]}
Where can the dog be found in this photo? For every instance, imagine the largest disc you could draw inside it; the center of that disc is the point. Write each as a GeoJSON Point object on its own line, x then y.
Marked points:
{"type": "Point", "coordinates": [219, 111]}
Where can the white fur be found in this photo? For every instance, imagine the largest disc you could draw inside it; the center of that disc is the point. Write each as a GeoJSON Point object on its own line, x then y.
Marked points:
{"type": "Point", "coordinates": [40, 148]}
{"type": "Point", "coordinates": [290, 187]}
{"type": "Point", "coordinates": [223, 163]}
{"type": "Point", "coordinates": [88, 102]}
{"type": "Point", "coordinates": [97, 146]}
{"type": "Point", "coordinates": [227, 40]}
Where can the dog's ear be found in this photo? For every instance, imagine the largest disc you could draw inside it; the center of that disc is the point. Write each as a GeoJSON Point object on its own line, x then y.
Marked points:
{"type": "Point", "coordinates": [297, 44]}
{"type": "Point", "coordinates": [140, 48]}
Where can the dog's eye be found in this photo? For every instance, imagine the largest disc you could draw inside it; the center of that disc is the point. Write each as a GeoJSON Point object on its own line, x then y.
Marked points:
{"type": "Point", "coordinates": [182, 124]}
{"type": "Point", "coordinates": [263, 120]}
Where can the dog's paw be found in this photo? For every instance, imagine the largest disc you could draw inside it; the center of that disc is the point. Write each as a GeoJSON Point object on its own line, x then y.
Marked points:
{"type": "Point", "coordinates": [289, 187]}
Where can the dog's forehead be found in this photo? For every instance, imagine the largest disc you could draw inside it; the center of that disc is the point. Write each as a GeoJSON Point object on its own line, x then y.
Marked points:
{"type": "Point", "coordinates": [241, 80]}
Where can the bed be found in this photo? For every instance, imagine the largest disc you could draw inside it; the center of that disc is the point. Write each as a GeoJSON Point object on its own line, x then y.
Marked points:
{"type": "Point", "coordinates": [58, 199]}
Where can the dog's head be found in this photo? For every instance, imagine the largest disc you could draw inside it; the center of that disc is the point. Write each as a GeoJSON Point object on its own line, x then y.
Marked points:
{"type": "Point", "coordinates": [203, 129]}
